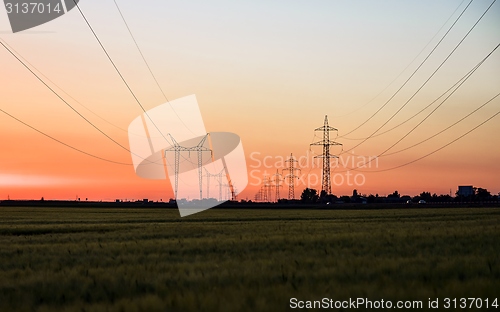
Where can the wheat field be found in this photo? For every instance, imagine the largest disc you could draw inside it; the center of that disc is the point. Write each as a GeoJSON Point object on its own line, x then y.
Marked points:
{"type": "Point", "coordinates": [110, 259]}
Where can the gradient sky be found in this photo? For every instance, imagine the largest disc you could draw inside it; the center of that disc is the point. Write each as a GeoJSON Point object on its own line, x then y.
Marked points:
{"type": "Point", "coordinates": [268, 71]}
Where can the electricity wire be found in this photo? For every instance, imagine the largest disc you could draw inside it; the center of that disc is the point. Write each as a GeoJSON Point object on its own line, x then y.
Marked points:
{"type": "Point", "coordinates": [414, 72]}
{"type": "Point", "coordinates": [428, 79]}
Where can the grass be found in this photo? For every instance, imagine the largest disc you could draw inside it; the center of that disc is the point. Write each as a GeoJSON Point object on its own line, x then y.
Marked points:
{"type": "Point", "coordinates": [70, 259]}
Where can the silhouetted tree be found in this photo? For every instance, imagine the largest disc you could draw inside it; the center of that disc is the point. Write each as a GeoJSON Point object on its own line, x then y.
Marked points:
{"type": "Point", "coordinates": [323, 195]}
{"type": "Point", "coordinates": [482, 194]}
{"type": "Point", "coordinates": [426, 196]}
{"type": "Point", "coordinates": [345, 199]}
{"type": "Point", "coordinates": [309, 195]}
{"type": "Point", "coordinates": [371, 199]}
{"type": "Point", "coordinates": [394, 195]}
{"type": "Point", "coordinates": [445, 198]}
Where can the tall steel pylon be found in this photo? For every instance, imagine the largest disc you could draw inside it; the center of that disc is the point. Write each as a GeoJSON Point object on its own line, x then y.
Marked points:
{"type": "Point", "coordinates": [278, 178]}
{"type": "Point", "coordinates": [326, 143]}
{"type": "Point", "coordinates": [291, 175]}
{"type": "Point", "coordinates": [218, 177]}
{"type": "Point", "coordinates": [261, 194]}
{"type": "Point", "coordinates": [177, 149]}
{"type": "Point", "coordinates": [265, 187]}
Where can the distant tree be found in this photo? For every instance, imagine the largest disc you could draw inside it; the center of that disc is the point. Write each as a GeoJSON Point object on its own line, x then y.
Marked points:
{"type": "Point", "coordinates": [445, 198]}
{"type": "Point", "coordinates": [345, 199]}
{"type": "Point", "coordinates": [323, 195]}
{"type": "Point", "coordinates": [482, 194]}
{"type": "Point", "coordinates": [406, 198]}
{"type": "Point", "coordinates": [309, 195]}
{"type": "Point", "coordinates": [426, 196]}
{"type": "Point", "coordinates": [394, 195]}
{"type": "Point", "coordinates": [371, 199]}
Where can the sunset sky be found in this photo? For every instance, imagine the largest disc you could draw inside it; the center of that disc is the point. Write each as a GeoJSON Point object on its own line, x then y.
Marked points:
{"type": "Point", "coordinates": [268, 71]}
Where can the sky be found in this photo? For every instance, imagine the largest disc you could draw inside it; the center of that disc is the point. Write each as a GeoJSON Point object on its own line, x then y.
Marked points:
{"type": "Point", "coordinates": [267, 71]}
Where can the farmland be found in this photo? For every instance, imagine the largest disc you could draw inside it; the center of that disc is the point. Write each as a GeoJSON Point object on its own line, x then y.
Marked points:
{"type": "Point", "coordinates": [112, 259]}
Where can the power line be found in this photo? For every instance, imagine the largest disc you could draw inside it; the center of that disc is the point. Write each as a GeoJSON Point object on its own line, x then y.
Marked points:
{"type": "Point", "coordinates": [61, 89]}
{"type": "Point", "coordinates": [420, 111]}
{"type": "Point", "coordinates": [67, 103]}
{"type": "Point", "coordinates": [428, 79]}
{"type": "Point", "coordinates": [61, 98]}
{"type": "Point", "coordinates": [414, 72]}
{"type": "Point", "coordinates": [401, 73]}
{"type": "Point", "coordinates": [116, 68]}
{"type": "Point", "coordinates": [432, 112]}
{"type": "Point", "coordinates": [61, 142]}
{"type": "Point", "coordinates": [445, 129]}
{"type": "Point", "coordinates": [462, 81]}
{"type": "Point", "coordinates": [147, 64]}
{"type": "Point", "coordinates": [442, 147]}
{"type": "Point", "coordinates": [415, 160]}
{"type": "Point", "coordinates": [123, 78]}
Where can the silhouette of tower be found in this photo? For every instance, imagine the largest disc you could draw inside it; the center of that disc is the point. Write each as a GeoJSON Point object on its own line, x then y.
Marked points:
{"type": "Point", "coordinates": [278, 178]}
{"type": "Point", "coordinates": [177, 149]}
{"type": "Point", "coordinates": [218, 178]}
{"type": "Point", "coordinates": [291, 175]}
{"type": "Point", "coordinates": [267, 189]}
{"type": "Point", "coordinates": [326, 143]}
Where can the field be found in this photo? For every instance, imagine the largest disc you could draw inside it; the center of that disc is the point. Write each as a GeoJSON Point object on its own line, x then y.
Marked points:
{"type": "Point", "coordinates": [73, 259]}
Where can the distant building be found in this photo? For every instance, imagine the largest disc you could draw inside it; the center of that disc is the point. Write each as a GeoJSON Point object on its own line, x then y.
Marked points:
{"type": "Point", "coordinates": [465, 191]}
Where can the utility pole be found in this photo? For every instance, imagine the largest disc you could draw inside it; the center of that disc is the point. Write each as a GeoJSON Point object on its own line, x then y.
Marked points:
{"type": "Point", "coordinates": [260, 195]}
{"type": "Point", "coordinates": [267, 189]}
{"type": "Point", "coordinates": [278, 178]}
{"type": "Point", "coordinates": [177, 149]}
{"type": "Point", "coordinates": [200, 149]}
{"type": "Point", "coordinates": [326, 185]}
{"type": "Point", "coordinates": [291, 175]}
{"type": "Point", "coordinates": [218, 177]}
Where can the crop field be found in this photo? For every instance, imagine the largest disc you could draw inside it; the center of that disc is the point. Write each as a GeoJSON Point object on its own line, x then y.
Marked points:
{"type": "Point", "coordinates": [89, 259]}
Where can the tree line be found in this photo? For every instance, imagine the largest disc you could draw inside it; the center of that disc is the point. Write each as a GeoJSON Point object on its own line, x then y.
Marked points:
{"type": "Point", "coordinates": [310, 195]}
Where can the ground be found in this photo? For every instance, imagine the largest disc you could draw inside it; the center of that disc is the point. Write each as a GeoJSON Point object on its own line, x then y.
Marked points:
{"type": "Point", "coordinates": [97, 259]}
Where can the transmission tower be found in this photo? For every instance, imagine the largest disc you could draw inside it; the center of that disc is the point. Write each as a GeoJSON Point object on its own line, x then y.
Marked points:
{"type": "Point", "coordinates": [264, 189]}
{"type": "Point", "coordinates": [261, 194]}
{"type": "Point", "coordinates": [218, 177]}
{"type": "Point", "coordinates": [177, 149]}
{"type": "Point", "coordinates": [291, 175]}
{"type": "Point", "coordinates": [278, 178]}
{"type": "Point", "coordinates": [267, 189]}
{"type": "Point", "coordinates": [326, 185]}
